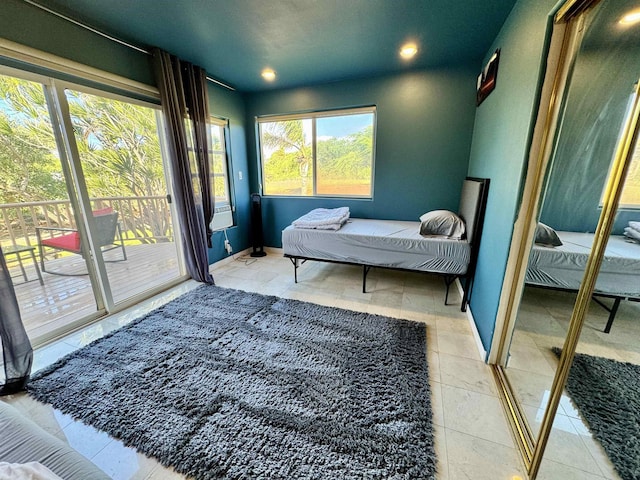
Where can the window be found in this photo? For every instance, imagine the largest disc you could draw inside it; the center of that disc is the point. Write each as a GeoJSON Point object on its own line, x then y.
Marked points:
{"type": "Point", "coordinates": [631, 190]}
{"type": "Point", "coordinates": [223, 216]}
{"type": "Point", "coordinates": [318, 154]}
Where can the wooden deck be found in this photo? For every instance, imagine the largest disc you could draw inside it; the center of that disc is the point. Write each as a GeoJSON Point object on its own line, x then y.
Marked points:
{"type": "Point", "coordinates": [64, 300]}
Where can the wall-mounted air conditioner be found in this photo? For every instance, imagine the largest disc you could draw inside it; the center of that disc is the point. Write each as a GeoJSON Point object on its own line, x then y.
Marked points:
{"type": "Point", "coordinates": [222, 218]}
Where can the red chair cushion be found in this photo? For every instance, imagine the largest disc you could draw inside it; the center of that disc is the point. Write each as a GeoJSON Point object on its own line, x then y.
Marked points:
{"type": "Point", "coordinates": [70, 242]}
{"type": "Point", "coordinates": [102, 211]}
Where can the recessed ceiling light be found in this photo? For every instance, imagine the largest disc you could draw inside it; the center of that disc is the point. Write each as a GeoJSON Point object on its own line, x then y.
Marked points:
{"type": "Point", "coordinates": [631, 18]}
{"type": "Point", "coordinates": [268, 74]}
{"type": "Point", "coordinates": [408, 50]}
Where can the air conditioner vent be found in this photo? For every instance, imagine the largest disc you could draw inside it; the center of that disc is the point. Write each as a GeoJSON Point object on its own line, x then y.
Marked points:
{"type": "Point", "coordinates": [222, 218]}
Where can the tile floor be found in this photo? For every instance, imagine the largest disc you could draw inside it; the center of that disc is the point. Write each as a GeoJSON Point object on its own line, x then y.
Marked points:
{"type": "Point", "coordinates": [473, 440]}
{"type": "Point", "coordinates": [543, 321]}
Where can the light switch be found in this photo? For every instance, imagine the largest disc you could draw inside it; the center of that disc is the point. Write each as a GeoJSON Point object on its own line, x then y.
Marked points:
{"type": "Point", "coordinates": [239, 175]}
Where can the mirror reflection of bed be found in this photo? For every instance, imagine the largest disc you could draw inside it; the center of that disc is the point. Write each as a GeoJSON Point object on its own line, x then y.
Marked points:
{"type": "Point", "coordinates": [598, 98]}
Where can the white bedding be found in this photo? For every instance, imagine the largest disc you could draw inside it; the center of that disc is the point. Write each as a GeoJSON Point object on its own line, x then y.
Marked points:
{"type": "Point", "coordinates": [323, 219]}
{"type": "Point", "coordinates": [563, 267]}
{"type": "Point", "coordinates": [387, 243]}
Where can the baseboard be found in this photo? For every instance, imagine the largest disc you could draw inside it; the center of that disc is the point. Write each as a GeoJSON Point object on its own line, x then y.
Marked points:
{"type": "Point", "coordinates": [472, 323]}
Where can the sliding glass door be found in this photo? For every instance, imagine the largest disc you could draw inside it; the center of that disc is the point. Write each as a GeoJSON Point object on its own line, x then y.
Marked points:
{"type": "Point", "coordinates": [85, 222]}
{"type": "Point", "coordinates": [35, 204]}
{"type": "Point", "coordinates": [120, 158]}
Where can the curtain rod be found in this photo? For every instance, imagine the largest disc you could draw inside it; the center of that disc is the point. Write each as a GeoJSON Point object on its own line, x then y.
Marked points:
{"type": "Point", "coordinates": [108, 36]}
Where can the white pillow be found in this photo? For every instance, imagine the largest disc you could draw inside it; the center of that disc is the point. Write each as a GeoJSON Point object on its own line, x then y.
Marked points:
{"type": "Point", "coordinates": [442, 223]}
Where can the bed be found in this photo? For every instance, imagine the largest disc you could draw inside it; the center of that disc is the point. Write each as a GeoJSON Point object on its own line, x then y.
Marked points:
{"type": "Point", "coordinates": [562, 268]}
{"type": "Point", "coordinates": [397, 245]}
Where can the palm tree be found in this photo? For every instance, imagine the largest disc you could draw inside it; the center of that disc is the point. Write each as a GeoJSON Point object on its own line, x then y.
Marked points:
{"type": "Point", "coordinates": [289, 137]}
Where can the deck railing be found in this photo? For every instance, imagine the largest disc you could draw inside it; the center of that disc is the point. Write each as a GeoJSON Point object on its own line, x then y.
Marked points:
{"type": "Point", "coordinates": [143, 219]}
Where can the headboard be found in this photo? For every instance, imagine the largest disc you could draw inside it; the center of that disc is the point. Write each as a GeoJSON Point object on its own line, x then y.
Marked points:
{"type": "Point", "coordinates": [473, 203]}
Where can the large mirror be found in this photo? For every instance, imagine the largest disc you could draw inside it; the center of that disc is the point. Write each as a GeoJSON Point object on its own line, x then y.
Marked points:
{"type": "Point", "coordinates": [596, 106]}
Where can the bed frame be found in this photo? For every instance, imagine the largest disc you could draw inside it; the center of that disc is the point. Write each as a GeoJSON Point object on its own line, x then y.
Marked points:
{"type": "Point", "coordinates": [608, 292]}
{"type": "Point", "coordinates": [596, 297]}
{"type": "Point", "coordinates": [473, 204]}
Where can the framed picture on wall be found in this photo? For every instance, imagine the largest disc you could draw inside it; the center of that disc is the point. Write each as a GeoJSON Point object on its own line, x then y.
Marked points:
{"type": "Point", "coordinates": [487, 78]}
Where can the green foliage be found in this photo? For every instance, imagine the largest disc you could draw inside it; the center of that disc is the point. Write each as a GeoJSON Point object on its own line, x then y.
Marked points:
{"type": "Point", "coordinates": [117, 141]}
{"type": "Point", "coordinates": [288, 160]}
{"type": "Point", "coordinates": [119, 152]}
{"type": "Point", "coordinates": [118, 145]}
{"type": "Point", "coordinates": [28, 155]}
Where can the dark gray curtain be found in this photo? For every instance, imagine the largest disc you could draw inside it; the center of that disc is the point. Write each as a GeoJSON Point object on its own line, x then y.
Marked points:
{"type": "Point", "coordinates": [16, 348]}
{"type": "Point", "coordinates": [196, 99]}
{"type": "Point", "coordinates": [178, 81]}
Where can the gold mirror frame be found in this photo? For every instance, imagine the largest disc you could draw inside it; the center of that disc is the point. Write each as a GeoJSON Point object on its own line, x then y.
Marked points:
{"type": "Point", "coordinates": [565, 42]}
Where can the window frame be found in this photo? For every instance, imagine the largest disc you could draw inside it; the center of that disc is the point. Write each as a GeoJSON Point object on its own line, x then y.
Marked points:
{"type": "Point", "coordinates": [314, 116]}
{"type": "Point", "coordinates": [229, 203]}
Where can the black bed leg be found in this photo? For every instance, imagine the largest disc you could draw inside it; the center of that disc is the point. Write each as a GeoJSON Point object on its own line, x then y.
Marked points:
{"type": "Point", "coordinates": [447, 283]}
{"type": "Point", "coordinates": [294, 262]}
{"type": "Point", "coordinates": [365, 271]}
{"type": "Point", "coordinates": [612, 315]}
{"type": "Point", "coordinates": [465, 295]}
{"type": "Point", "coordinates": [446, 294]}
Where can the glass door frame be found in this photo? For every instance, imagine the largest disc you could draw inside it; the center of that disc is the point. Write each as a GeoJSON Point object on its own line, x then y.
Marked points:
{"type": "Point", "coordinates": [54, 92]}
{"type": "Point", "coordinates": [72, 152]}
{"type": "Point", "coordinates": [564, 45]}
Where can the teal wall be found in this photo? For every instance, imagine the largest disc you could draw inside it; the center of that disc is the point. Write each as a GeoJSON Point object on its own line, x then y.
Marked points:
{"type": "Point", "coordinates": [28, 25]}
{"type": "Point", "coordinates": [424, 125]}
{"type": "Point", "coordinates": [501, 139]}
{"type": "Point", "coordinates": [230, 105]}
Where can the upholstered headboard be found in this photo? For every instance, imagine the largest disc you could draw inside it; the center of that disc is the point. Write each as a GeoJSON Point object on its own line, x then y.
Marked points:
{"type": "Point", "coordinates": [473, 202]}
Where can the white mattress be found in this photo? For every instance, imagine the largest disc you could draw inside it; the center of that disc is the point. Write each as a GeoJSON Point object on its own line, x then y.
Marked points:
{"type": "Point", "coordinates": [382, 243]}
{"type": "Point", "coordinates": [564, 266]}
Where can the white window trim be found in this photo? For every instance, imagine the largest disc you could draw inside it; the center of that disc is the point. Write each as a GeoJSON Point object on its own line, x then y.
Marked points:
{"type": "Point", "coordinates": [313, 115]}
{"type": "Point", "coordinates": [33, 56]}
{"type": "Point", "coordinates": [223, 210]}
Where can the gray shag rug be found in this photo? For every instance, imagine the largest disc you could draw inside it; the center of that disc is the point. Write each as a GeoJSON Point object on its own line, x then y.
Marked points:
{"type": "Point", "coordinates": [607, 394]}
{"type": "Point", "coordinates": [222, 383]}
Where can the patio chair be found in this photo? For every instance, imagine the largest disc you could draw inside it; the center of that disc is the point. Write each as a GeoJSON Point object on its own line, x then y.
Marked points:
{"type": "Point", "coordinates": [108, 237]}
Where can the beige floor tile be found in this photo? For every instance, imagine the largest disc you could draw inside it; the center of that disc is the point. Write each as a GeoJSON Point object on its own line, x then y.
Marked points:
{"type": "Point", "coordinates": [85, 439]}
{"type": "Point", "coordinates": [466, 373]}
{"type": "Point", "coordinates": [458, 344]}
{"type": "Point", "coordinates": [530, 359]}
{"type": "Point", "coordinates": [474, 458]}
{"type": "Point", "coordinates": [530, 388]}
{"type": "Point", "coordinates": [163, 473]}
{"type": "Point", "coordinates": [476, 414]}
{"type": "Point", "coordinates": [123, 463]}
{"type": "Point", "coordinates": [436, 403]}
{"type": "Point", "coordinates": [433, 362]}
{"type": "Point", "coordinates": [550, 470]}
{"type": "Point", "coordinates": [453, 324]}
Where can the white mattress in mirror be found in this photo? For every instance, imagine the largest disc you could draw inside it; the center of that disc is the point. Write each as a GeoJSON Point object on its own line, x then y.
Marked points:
{"type": "Point", "coordinates": [383, 243]}
{"type": "Point", "coordinates": [563, 266]}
